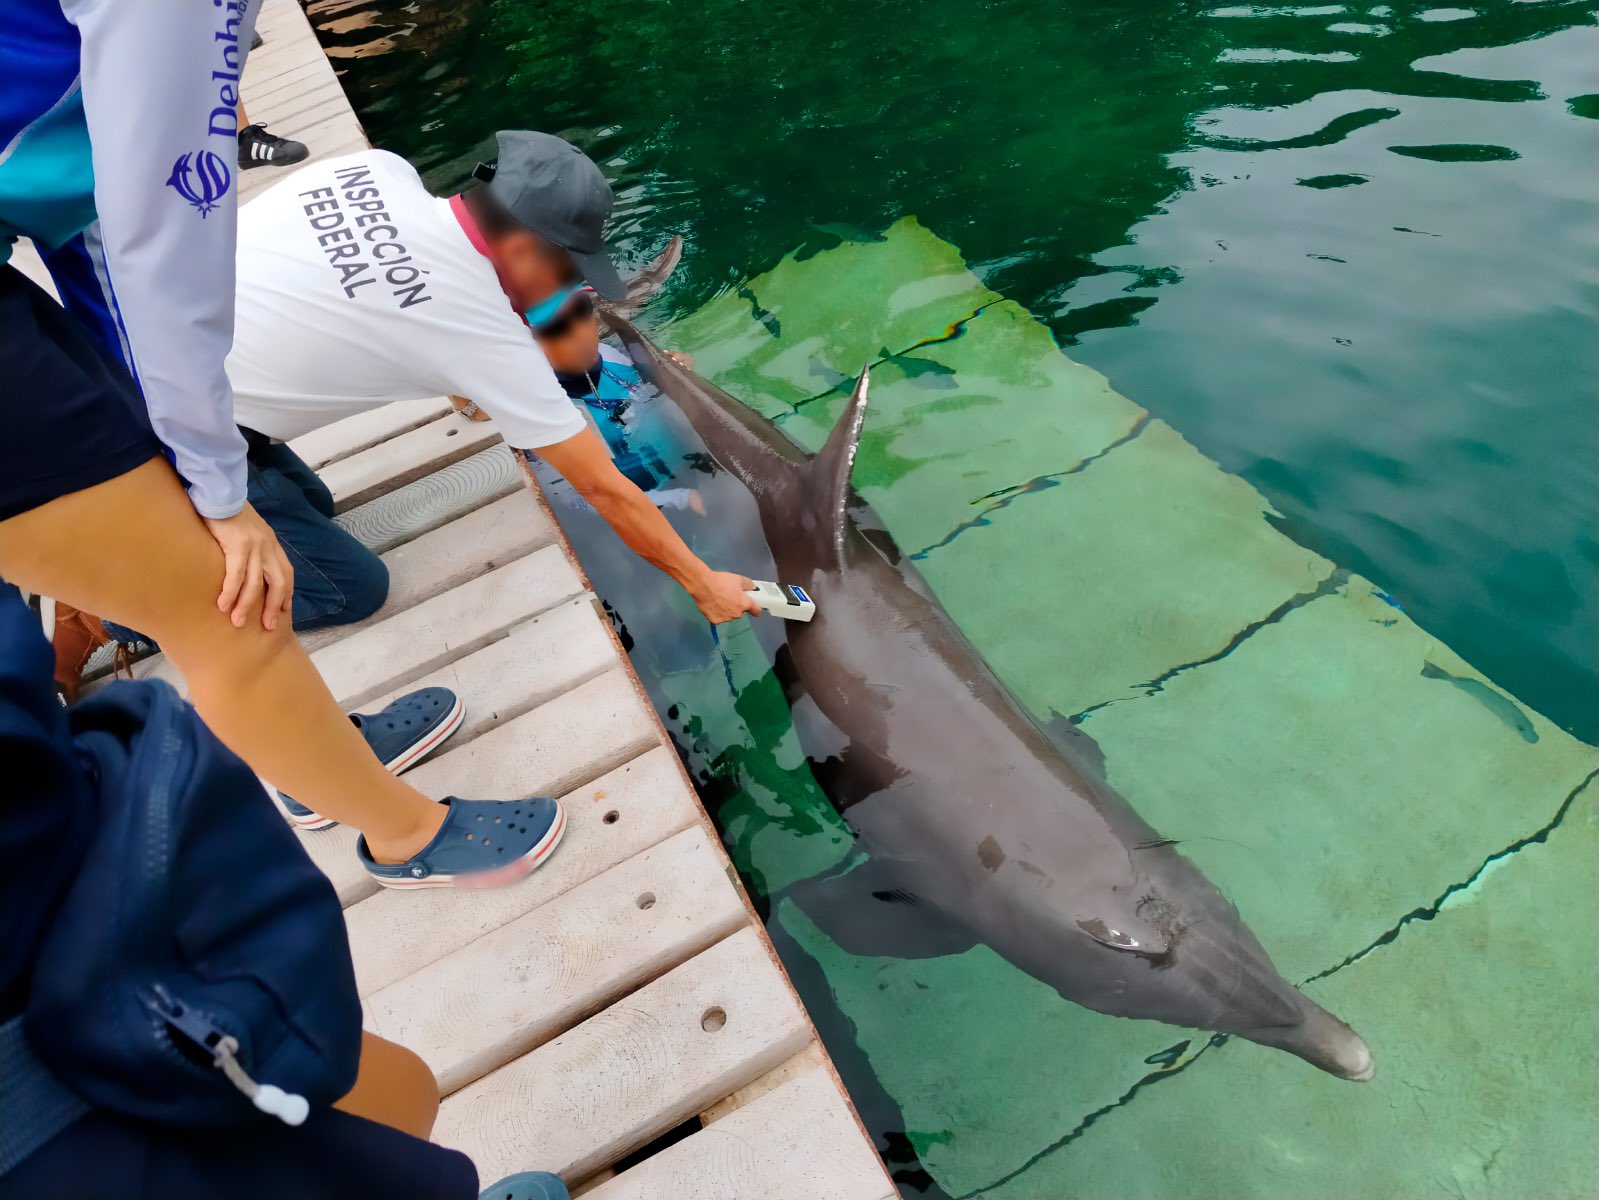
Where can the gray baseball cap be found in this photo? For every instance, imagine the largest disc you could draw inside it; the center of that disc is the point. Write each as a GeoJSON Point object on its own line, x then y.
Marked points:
{"type": "Point", "coordinates": [555, 189]}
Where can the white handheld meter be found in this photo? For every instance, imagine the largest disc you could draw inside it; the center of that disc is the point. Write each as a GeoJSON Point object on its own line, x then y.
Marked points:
{"type": "Point", "coordinates": [783, 600]}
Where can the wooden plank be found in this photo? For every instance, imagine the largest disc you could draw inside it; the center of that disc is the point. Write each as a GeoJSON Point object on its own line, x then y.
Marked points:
{"type": "Point", "coordinates": [633, 1071]}
{"type": "Point", "coordinates": [798, 1142]}
{"type": "Point", "coordinates": [407, 512]}
{"type": "Point", "coordinates": [511, 990]}
{"type": "Point", "coordinates": [484, 540]}
{"type": "Point", "coordinates": [365, 430]}
{"type": "Point", "coordinates": [393, 934]}
{"type": "Point", "coordinates": [275, 14]}
{"type": "Point", "coordinates": [532, 665]}
{"type": "Point", "coordinates": [550, 751]}
{"type": "Point", "coordinates": [261, 80]}
{"type": "Point", "coordinates": [319, 98]}
{"type": "Point", "coordinates": [405, 458]}
{"type": "Point", "coordinates": [338, 142]}
{"type": "Point", "coordinates": [810, 1057]}
{"type": "Point", "coordinates": [444, 558]}
{"type": "Point", "coordinates": [276, 57]}
{"type": "Point", "coordinates": [428, 635]}
{"type": "Point", "coordinates": [592, 1182]}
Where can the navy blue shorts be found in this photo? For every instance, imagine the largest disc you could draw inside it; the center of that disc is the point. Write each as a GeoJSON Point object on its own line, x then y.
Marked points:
{"type": "Point", "coordinates": [71, 414]}
{"type": "Point", "coordinates": [333, 1156]}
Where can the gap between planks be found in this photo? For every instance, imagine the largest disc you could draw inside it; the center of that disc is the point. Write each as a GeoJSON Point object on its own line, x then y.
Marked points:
{"type": "Point", "coordinates": [633, 1070]}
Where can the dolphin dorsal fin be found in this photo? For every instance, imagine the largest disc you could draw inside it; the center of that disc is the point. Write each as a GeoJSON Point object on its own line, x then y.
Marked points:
{"type": "Point", "coordinates": [828, 483]}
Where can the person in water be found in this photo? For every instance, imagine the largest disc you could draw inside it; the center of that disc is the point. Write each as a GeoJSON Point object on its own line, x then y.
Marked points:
{"type": "Point", "coordinates": [602, 378]}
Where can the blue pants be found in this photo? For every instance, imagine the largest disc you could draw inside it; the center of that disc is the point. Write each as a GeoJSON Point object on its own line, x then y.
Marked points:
{"type": "Point", "coordinates": [336, 579]}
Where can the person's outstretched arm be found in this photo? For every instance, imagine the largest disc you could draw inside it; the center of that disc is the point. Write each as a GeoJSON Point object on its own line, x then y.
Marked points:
{"type": "Point", "coordinates": [160, 84]}
{"type": "Point", "coordinates": [586, 464]}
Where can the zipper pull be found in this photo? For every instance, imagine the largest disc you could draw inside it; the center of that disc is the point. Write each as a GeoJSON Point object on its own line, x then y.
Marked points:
{"type": "Point", "coordinates": [274, 1101]}
{"type": "Point", "coordinates": [224, 1049]}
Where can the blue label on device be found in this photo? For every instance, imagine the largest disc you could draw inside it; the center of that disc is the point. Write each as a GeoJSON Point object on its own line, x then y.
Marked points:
{"type": "Point", "coordinates": [803, 598]}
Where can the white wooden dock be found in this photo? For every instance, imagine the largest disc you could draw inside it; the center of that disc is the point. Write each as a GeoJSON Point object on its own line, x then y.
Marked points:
{"type": "Point", "coordinates": [626, 987]}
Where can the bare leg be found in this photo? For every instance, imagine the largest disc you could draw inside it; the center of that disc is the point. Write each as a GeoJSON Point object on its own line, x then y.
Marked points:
{"type": "Point", "coordinates": [393, 1087]}
{"type": "Point", "coordinates": [244, 118]}
{"type": "Point", "coordinates": [133, 550]}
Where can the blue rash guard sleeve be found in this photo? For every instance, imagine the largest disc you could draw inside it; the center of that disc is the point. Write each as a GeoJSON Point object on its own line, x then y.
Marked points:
{"type": "Point", "coordinates": [160, 83]}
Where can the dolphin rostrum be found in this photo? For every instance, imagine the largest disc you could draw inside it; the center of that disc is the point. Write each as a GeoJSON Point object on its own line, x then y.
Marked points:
{"type": "Point", "coordinates": [963, 805]}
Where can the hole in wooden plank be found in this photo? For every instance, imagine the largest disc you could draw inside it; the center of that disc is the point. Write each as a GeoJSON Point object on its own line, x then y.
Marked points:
{"type": "Point", "coordinates": [647, 900]}
{"type": "Point", "coordinates": [451, 432]}
{"type": "Point", "coordinates": [611, 817]}
{"type": "Point", "coordinates": [713, 1020]}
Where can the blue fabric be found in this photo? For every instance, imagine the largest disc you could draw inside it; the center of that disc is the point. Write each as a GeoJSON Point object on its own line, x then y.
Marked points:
{"type": "Point", "coordinates": [606, 386]}
{"type": "Point", "coordinates": [78, 270]}
{"type": "Point", "coordinates": [477, 836]}
{"type": "Point", "coordinates": [194, 915]}
{"type": "Point", "coordinates": [46, 175]}
{"type": "Point", "coordinates": [333, 1156]}
{"type": "Point", "coordinates": [46, 807]}
{"type": "Point", "coordinates": [34, 1105]}
{"type": "Point", "coordinates": [71, 414]}
{"type": "Point", "coordinates": [337, 580]}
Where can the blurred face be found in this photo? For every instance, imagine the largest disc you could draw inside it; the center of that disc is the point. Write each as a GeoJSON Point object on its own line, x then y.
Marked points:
{"type": "Point", "coordinates": [571, 342]}
{"type": "Point", "coordinates": [530, 268]}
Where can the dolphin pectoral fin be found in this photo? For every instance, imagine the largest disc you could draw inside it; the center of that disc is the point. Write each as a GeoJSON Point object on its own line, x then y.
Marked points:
{"type": "Point", "coordinates": [1075, 743]}
{"type": "Point", "coordinates": [1126, 932]}
{"type": "Point", "coordinates": [866, 913]}
{"type": "Point", "coordinates": [827, 481]}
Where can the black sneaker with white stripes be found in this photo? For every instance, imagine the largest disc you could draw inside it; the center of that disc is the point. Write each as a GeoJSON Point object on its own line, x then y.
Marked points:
{"type": "Point", "coordinates": [258, 148]}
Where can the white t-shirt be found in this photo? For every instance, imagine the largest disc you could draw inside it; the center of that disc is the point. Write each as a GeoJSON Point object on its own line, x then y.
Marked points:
{"type": "Point", "coordinates": [357, 287]}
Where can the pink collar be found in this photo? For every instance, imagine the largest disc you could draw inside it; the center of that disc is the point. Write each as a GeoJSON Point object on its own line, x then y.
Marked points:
{"type": "Point", "coordinates": [475, 236]}
{"type": "Point", "coordinates": [469, 225]}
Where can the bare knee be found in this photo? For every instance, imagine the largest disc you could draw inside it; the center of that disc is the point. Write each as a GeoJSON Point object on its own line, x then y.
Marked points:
{"type": "Point", "coordinates": [394, 1087]}
{"type": "Point", "coordinates": [208, 647]}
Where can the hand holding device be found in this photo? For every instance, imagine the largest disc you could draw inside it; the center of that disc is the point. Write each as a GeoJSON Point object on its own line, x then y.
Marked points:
{"type": "Point", "coordinates": [785, 600]}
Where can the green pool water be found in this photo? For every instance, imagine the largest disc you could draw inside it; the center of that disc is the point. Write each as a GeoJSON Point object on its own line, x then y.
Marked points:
{"type": "Point", "coordinates": [1311, 500]}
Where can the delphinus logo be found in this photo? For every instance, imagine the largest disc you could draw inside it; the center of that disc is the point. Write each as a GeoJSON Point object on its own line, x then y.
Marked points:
{"type": "Point", "coordinates": [201, 178]}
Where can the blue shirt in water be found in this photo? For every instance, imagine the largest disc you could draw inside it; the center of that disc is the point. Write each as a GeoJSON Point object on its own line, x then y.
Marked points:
{"type": "Point", "coordinates": [607, 389]}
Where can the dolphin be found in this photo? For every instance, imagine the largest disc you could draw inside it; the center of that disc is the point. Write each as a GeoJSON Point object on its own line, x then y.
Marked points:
{"type": "Point", "coordinates": [966, 809]}
{"type": "Point", "coordinates": [645, 284]}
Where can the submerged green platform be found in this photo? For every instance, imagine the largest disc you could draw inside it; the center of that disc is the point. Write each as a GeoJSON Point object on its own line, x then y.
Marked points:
{"type": "Point", "coordinates": [1418, 844]}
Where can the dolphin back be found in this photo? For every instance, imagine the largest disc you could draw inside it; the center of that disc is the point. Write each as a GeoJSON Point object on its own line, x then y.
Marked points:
{"type": "Point", "coordinates": [791, 488]}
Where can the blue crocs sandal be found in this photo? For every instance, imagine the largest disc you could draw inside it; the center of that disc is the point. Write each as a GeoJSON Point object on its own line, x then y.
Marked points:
{"type": "Point", "coordinates": [401, 736]}
{"type": "Point", "coordinates": [529, 1185]}
{"type": "Point", "coordinates": [482, 844]}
